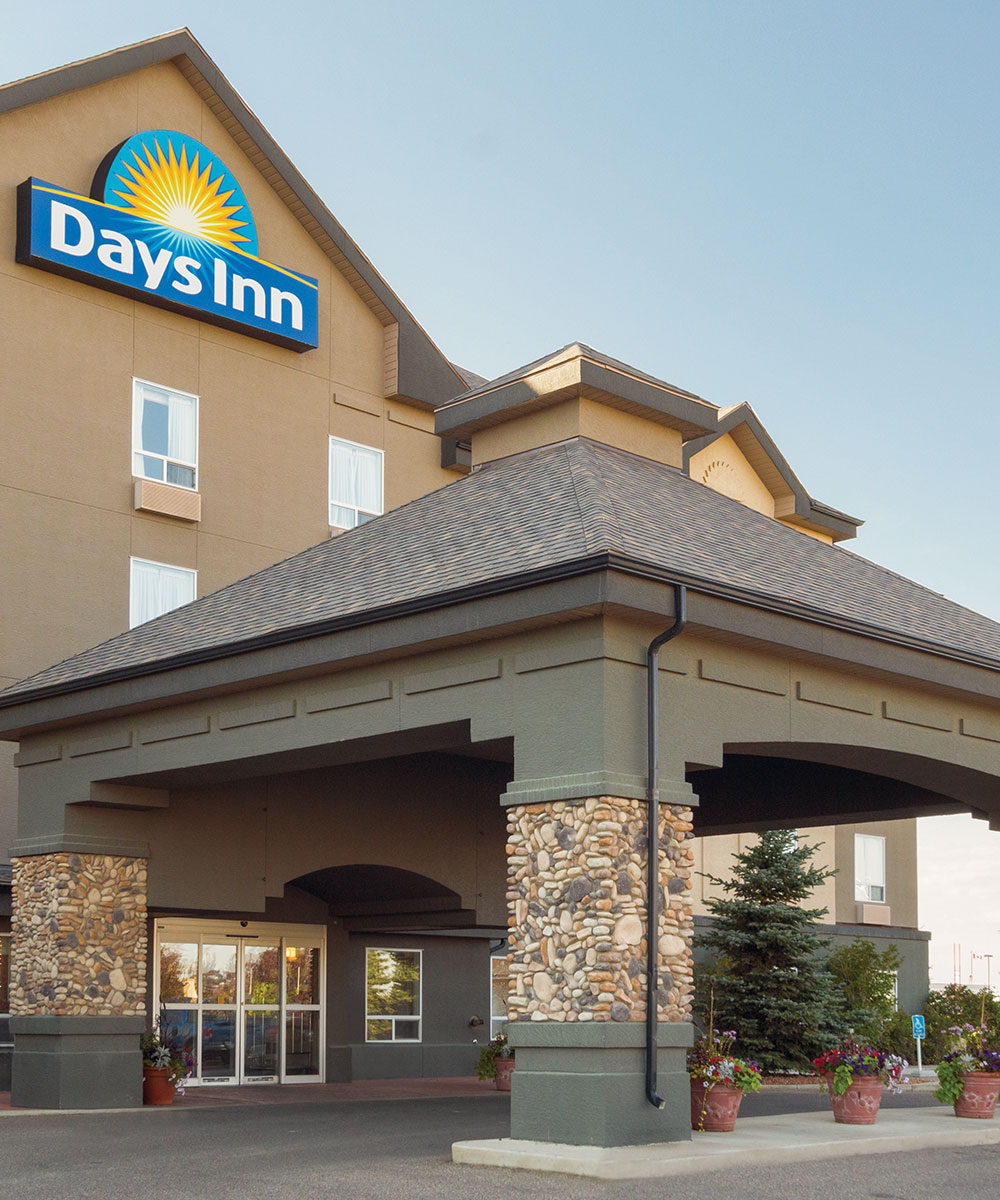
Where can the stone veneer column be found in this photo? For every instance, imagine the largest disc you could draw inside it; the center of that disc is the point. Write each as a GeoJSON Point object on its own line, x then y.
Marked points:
{"type": "Point", "coordinates": [576, 894]}
{"type": "Point", "coordinates": [78, 979]}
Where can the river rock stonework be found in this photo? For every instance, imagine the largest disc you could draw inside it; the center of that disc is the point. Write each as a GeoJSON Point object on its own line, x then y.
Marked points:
{"type": "Point", "coordinates": [79, 944]}
{"type": "Point", "coordinates": [576, 899]}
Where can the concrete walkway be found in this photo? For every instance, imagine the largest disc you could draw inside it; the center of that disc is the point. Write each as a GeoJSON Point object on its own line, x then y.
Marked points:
{"type": "Point", "coordinates": [756, 1141]}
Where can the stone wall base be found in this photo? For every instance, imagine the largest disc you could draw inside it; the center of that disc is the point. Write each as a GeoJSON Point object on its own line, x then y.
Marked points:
{"type": "Point", "coordinates": [585, 1085]}
{"type": "Point", "coordinates": [76, 1062]}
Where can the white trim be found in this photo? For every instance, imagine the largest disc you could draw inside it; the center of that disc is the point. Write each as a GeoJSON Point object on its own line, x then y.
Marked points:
{"type": "Point", "coordinates": [498, 1024]}
{"type": "Point", "coordinates": [329, 481]}
{"type": "Point", "coordinates": [137, 382]}
{"type": "Point", "coordinates": [216, 932]}
{"type": "Point", "coordinates": [151, 562]}
{"type": "Point", "coordinates": [418, 1016]}
{"type": "Point", "coordinates": [863, 888]}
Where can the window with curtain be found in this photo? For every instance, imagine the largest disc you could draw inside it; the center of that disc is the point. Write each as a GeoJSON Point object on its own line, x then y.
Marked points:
{"type": "Point", "coordinates": [156, 589]}
{"type": "Point", "coordinates": [355, 483]}
{"type": "Point", "coordinates": [164, 435]}
{"type": "Point", "coordinates": [869, 868]}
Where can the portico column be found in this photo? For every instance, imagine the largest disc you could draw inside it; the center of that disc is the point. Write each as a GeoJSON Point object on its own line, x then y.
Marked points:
{"type": "Point", "coordinates": [576, 894]}
{"type": "Point", "coordinates": [78, 978]}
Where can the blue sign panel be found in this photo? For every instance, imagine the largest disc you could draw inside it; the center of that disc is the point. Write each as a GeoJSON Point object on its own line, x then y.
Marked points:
{"type": "Point", "coordinates": [168, 225]}
{"type": "Point", "coordinates": [919, 1028]}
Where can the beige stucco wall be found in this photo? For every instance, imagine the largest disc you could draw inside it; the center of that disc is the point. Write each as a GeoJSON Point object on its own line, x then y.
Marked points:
{"type": "Point", "coordinates": [723, 467]}
{"type": "Point", "coordinates": [578, 417]}
{"type": "Point", "coordinates": [714, 856]}
{"type": "Point", "coordinates": [70, 352]}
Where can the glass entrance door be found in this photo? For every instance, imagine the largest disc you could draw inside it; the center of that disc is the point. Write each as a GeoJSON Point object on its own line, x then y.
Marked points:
{"type": "Point", "coordinates": [247, 1006]}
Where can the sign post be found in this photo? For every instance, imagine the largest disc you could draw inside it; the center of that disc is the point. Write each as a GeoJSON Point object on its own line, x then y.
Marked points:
{"type": "Point", "coordinates": [919, 1033]}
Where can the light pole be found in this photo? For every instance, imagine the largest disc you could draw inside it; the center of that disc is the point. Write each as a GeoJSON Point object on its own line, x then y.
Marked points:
{"type": "Point", "coordinates": [988, 957]}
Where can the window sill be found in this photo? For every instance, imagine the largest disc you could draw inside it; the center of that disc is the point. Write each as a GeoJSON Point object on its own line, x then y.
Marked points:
{"type": "Point", "coordinates": [166, 500]}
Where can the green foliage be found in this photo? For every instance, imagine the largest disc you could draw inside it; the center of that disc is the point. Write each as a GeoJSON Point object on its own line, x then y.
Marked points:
{"type": "Point", "coordinates": [951, 1081]}
{"type": "Point", "coordinates": [486, 1064]}
{"type": "Point", "coordinates": [866, 980]}
{"type": "Point", "coordinates": [161, 1053]}
{"type": "Point", "coordinates": [956, 1005]}
{"type": "Point", "coordinates": [770, 982]}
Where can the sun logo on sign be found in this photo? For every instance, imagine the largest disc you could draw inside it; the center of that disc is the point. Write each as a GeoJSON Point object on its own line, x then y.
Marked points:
{"type": "Point", "coordinates": [190, 192]}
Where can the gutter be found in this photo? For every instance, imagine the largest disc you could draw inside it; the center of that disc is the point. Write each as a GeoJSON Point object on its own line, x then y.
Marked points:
{"type": "Point", "coordinates": [653, 834]}
{"type": "Point", "coordinates": [497, 587]}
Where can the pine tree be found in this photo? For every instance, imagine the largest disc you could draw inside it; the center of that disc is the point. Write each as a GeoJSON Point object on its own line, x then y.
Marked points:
{"type": "Point", "coordinates": [769, 977]}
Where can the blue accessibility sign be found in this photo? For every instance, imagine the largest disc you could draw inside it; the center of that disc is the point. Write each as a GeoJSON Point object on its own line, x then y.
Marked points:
{"type": "Point", "coordinates": [919, 1028]}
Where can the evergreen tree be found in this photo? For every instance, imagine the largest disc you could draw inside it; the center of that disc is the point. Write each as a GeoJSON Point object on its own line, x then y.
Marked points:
{"type": "Point", "coordinates": [769, 977]}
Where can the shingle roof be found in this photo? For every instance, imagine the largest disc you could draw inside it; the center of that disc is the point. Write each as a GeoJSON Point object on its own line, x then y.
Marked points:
{"type": "Point", "coordinates": [541, 509]}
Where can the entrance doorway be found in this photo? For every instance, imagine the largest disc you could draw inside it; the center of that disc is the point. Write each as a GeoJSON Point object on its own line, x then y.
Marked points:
{"type": "Point", "coordinates": [244, 1000]}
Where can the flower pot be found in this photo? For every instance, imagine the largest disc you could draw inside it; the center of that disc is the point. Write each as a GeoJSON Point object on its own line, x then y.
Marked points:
{"type": "Point", "coordinates": [714, 1109]}
{"type": "Point", "coordinates": [859, 1104]}
{"type": "Point", "coordinates": [505, 1068]}
{"type": "Point", "coordinates": [979, 1095]}
{"type": "Point", "coordinates": [156, 1088]}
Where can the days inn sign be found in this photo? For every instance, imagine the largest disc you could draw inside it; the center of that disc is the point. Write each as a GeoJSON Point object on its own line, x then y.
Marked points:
{"type": "Point", "coordinates": [167, 223]}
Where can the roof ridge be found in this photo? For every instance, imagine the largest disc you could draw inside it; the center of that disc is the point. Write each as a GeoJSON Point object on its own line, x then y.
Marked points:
{"type": "Point", "coordinates": [600, 506]}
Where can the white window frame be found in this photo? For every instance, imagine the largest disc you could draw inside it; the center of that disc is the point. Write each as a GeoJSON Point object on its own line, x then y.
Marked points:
{"type": "Point", "coordinates": [332, 500]}
{"type": "Point", "coordinates": [149, 562]}
{"type": "Point", "coordinates": [498, 1023]}
{"type": "Point", "coordinates": [418, 1016]}
{"type": "Point", "coordinates": [139, 451]}
{"type": "Point", "coordinates": [863, 888]}
{"type": "Point", "coordinates": [182, 929]}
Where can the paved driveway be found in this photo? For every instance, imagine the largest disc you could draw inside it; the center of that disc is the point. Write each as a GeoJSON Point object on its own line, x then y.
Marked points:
{"type": "Point", "coordinates": [398, 1150]}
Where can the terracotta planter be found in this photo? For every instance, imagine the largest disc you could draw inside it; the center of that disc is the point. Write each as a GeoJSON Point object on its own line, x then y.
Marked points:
{"type": "Point", "coordinates": [979, 1095]}
{"type": "Point", "coordinates": [505, 1068]}
{"type": "Point", "coordinates": [714, 1109]}
{"type": "Point", "coordinates": [859, 1105]}
{"type": "Point", "coordinates": [156, 1088]}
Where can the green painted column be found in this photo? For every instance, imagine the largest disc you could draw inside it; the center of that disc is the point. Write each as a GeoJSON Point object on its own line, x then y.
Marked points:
{"type": "Point", "coordinates": [576, 894]}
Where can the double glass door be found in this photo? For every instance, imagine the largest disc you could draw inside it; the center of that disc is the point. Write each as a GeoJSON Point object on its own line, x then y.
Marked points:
{"type": "Point", "coordinates": [247, 1005]}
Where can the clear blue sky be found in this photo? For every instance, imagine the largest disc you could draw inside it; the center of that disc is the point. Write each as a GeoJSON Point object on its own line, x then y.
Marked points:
{"type": "Point", "coordinates": [783, 202]}
{"type": "Point", "coordinates": [792, 204]}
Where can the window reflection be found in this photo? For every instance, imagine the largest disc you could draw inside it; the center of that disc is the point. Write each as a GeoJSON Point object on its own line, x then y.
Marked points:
{"type": "Point", "coordinates": [178, 972]}
{"type": "Point", "coordinates": [302, 975]}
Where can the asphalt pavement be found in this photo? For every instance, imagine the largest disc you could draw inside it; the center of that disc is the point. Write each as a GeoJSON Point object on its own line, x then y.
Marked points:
{"type": "Point", "coordinates": [400, 1150]}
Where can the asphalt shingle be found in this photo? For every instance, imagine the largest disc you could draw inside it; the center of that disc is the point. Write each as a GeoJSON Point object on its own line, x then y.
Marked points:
{"type": "Point", "coordinates": [541, 509]}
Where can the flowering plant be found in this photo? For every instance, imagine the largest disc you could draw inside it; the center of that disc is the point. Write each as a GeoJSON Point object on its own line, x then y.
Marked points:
{"type": "Point", "coordinates": [851, 1060]}
{"type": "Point", "coordinates": [497, 1047]}
{"type": "Point", "coordinates": [710, 1061]}
{"type": "Point", "coordinates": [159, 1052]}
{"type": "Point", "coordinates": [972, 1052]}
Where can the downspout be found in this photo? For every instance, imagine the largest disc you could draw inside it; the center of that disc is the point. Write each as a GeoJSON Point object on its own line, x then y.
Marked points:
{"type": "Point", "coordinates": [653, 835]}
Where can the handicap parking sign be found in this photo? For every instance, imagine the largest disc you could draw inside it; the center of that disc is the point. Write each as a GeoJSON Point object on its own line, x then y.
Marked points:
{"type": "Point", "coordinates": [919, 1028]}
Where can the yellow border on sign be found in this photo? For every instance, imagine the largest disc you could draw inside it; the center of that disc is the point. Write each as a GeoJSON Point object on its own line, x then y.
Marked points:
{"type": "Point", "coordinates": [130, 213]}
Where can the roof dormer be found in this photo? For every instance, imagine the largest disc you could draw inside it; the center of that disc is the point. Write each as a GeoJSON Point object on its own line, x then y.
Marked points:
{"type": "Point", "coordinates": [740, 460]}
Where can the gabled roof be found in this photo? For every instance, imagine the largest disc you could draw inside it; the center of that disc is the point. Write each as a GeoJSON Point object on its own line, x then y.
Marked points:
{"type": "Point", "coordinates": [574, 505]}
{"type": "Point", "coordinates": [424, 374]}
{"type": "Point", "coordinates": [792, 502]}
{"type": "Point", "coordinates": [574, 370]}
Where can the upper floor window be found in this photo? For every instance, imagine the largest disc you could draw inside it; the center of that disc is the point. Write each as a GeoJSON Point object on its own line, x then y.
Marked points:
{"type": "Point", "coordinates": [869, 868]}
{"type": "Point", "coordinates": [164, 434]}
{"type": "Point", "coordinates": [156, 588]}
{"type": "Point", "coordinates": [355, 483]}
